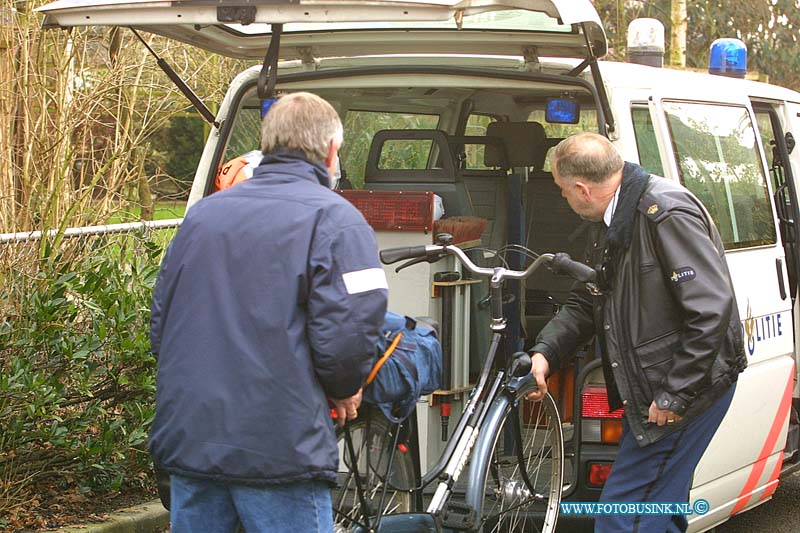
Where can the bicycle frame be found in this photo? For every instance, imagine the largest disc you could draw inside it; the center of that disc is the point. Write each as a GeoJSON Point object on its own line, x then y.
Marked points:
{"type": "Point", "coordinates": [487, 391]}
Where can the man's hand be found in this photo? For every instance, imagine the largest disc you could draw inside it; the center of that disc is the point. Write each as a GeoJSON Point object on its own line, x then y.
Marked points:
{"type": "Point", "coordinates": [347, 408]}
{"type": "Point", "coordinates": [661, 416]}
{"type": "Point", "coordinates": [540, 368]}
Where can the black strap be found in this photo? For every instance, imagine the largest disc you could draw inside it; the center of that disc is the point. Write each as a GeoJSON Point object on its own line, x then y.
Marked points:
{"type": "Point", "coordinates": [269, 69]}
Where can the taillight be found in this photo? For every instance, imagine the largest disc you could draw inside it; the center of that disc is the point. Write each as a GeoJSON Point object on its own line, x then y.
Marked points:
{"type": "Point", "coordinates": [610, 431]}
{"type": "Point", "coordinates": [394, 210]}
{"type": "Point", "coordinates": [594, 404]}
{"type": "Point", "coordinates": [598, 424]}
{"type": "Point", "coordinates": [598, 473]}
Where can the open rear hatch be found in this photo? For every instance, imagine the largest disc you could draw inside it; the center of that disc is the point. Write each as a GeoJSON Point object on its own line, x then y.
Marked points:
{"type": "Point", "coordinates": [337, 28]}
{"type": "Point", "coordinates": [309, 29]}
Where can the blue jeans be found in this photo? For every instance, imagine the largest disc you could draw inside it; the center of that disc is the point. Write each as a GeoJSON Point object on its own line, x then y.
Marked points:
{"type": "Point", "coordinates": [660, 472]}
{"type": "Point", "coordinates": [203, 506]}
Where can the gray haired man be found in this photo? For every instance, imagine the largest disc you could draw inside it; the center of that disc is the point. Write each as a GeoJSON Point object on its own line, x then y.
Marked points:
{"type": "Point", "coordinates": [268, 306]}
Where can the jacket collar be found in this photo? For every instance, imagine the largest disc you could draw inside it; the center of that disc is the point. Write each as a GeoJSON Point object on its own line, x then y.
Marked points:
{"type": "Point", "coordinates": [281, 162]}
{"type": "Point", "coordinates": [634, 182]}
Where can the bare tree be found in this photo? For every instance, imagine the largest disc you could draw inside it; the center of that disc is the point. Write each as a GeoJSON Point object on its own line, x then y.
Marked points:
{"type": "Point", "coordinates": [77, 110]}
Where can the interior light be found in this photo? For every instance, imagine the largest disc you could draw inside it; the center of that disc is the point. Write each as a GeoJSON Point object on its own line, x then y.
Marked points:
{"type": "Point", "coordinates": [728, 58]}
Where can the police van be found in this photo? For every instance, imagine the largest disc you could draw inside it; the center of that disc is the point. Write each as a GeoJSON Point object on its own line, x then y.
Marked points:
{"type": "Point", "coordinates": [457, 103]}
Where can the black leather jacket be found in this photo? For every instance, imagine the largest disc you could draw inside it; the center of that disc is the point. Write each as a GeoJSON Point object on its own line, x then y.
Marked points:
{"type": "Point", "coordinates": [668, 324]}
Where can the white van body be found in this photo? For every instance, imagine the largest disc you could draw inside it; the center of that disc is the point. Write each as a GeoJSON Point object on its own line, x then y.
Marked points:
{"type": "Point", "coordinates": [423, 59]}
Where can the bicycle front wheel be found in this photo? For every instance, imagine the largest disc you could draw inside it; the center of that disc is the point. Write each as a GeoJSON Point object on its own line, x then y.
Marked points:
{"type": "Point", "coordinates": [366, 486]}
{"type": "Point", "coordinates": [517, 471]}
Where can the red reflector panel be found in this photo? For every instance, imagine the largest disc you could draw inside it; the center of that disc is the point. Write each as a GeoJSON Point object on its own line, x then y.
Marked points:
{"type": "Point", "coordinates": [394, 210]}
{"type": "Point", "coordinates": [598, 473]}
{"type": "Point", "coordinates": [594, 404]}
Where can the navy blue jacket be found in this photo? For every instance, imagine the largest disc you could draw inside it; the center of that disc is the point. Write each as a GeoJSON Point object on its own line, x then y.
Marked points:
{"type": "Point", "coordinates": [269, 299]}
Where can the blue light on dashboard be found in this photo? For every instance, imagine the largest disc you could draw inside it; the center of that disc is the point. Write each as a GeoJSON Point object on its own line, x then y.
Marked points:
{"type": "Point", "coordinates": [728, 58]}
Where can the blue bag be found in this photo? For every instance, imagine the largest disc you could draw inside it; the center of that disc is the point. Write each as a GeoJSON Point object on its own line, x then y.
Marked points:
{"type": "Point", "coordinates": [412, 368]}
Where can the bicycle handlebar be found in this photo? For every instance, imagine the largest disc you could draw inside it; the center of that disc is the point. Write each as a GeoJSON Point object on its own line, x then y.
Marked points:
{"type": "Point", "coordinates": [562, 262]}
{"type": "Point", "coordinates": [393, 255]}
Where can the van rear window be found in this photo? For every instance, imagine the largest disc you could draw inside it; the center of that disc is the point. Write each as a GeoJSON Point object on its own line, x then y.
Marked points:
{"type": "Point", "coordinates": [719, 161]}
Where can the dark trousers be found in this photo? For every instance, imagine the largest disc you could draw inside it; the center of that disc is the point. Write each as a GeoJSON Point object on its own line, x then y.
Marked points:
{"type": "Point", "coordinates": [660, 472]}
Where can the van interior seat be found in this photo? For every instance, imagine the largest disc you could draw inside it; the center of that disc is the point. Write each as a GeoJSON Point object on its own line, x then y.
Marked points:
{"type": "Point", "coordinates": [487, 187]}
{"type": "Point", "coordinates": [442, 180]}
{"type": "Point", "coordinates": [550, 225]}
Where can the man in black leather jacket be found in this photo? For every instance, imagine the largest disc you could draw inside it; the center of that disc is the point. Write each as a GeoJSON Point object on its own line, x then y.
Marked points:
{"type": "Point", "coordinates": [666, 322]}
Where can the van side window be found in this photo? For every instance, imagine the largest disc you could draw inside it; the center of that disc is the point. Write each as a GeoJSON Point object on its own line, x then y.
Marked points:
{"type": "Point", "coordinates": [587, 122]}
{"type": "Point", "coordinates": [646, 143]}
{"type": "Point", "coordinates": [718, 160]}
{"type": "Point", "coordinates": [245, 134]}
{"type": "Point", "coordinates": [767, 140]}
{"type": "Point", "coordinates": [476, 126]}
{"type": "Point", "coordinates": [359, 129]}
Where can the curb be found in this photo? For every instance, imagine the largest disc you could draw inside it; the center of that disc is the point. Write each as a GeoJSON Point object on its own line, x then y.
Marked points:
{"type": "Point", "coordinates": [145, 518]}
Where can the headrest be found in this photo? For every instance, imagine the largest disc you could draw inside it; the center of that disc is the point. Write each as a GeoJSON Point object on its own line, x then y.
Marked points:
{"type": "Point", "coordinates": [526, 145]}
{"type": "Point", "coordinates": [374, 173]}
{"type": "Point", "coordinates": [458, 144]}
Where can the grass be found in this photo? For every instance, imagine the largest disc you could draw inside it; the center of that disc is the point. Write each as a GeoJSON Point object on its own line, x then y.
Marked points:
{"type": "Point", "coordinates": [163, 211]}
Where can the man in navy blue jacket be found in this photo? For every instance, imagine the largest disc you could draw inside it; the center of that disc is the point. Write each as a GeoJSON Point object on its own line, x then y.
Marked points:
{"type": "Point", "coordinates": [268, 305]}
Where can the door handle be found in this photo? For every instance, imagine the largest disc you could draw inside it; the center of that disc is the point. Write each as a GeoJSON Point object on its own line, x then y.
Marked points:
{"type": "Point", "coordinates": [781, 286]}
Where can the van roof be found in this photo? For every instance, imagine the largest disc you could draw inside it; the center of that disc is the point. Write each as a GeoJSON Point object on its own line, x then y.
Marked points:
{"type": "Point", "coordinates": [701, 85]}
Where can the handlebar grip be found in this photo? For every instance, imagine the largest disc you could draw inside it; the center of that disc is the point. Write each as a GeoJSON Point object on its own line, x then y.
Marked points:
{"type": "Point", "coordinates": [393, 255]}
{"type": "Point", "coordinates": [563, 264]}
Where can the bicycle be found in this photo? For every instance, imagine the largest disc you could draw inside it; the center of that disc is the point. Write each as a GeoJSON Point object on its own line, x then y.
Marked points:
{"type": "Point", "coordinates": [513, 448]}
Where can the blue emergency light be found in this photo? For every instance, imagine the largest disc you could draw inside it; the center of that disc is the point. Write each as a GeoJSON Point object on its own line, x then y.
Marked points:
{"type": "Point", "coordinates": [265, 105]}
{"type": "Point", "coordinates": [728, 58]}
{"type": "Point", "coordinates": [562, 111]}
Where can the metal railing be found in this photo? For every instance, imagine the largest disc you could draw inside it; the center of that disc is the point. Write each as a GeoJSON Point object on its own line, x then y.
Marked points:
{"type": "Point", "coordinates": [23, 255]}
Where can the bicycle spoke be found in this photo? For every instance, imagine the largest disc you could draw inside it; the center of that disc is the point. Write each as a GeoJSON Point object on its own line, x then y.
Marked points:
{"type": "Point", "coordinates": [373, 443]}
{"type": "Point", "coordinates": [523, 478]}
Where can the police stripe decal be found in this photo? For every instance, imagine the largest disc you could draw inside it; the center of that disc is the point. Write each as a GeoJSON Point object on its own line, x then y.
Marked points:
{"type": "Point", "coordinates": [364, 280]}
{"type": "Point", "coordinates": [781, 418]}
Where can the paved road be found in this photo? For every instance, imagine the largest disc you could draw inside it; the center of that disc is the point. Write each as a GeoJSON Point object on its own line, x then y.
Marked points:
{"type": "Point", "coordinates": [779, 515]}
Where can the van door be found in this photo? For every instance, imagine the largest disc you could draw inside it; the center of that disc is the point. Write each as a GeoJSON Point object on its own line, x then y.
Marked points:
{"type": "Point", "coordinates": [712, 147]}
{"type": "Point", "coordinates": [775, 126]}
{"type": "Point", "coordinates": [790, 124]}
{"type": "Point", "coordinates": [779, 146]}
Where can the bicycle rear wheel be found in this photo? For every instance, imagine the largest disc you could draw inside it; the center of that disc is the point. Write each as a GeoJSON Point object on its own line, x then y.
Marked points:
{"type": "Point", "coordinates": [515, 491]}
{"type": "Point", "coordinates": [361, 484]}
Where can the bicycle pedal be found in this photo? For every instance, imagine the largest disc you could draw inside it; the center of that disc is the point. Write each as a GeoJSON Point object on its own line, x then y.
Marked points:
{"type": "Point", "coordinates": [459, 516]}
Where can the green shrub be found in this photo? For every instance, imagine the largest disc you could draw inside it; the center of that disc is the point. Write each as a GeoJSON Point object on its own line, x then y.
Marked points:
{"type": "Point", "coordinates": [77, 379]}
